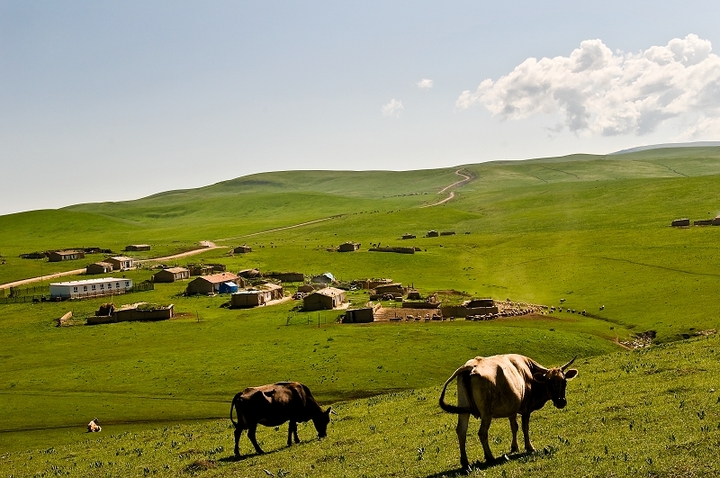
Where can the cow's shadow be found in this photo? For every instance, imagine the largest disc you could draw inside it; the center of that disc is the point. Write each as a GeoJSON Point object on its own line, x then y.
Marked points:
{"type": "Point", "coordinates": [479, 466]}
{"type": "Point", "coordinates": [236, 459]}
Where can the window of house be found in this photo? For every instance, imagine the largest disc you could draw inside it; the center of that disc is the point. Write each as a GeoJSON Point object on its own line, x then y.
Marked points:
{"type": "Point", "coordinates": [93, 287]}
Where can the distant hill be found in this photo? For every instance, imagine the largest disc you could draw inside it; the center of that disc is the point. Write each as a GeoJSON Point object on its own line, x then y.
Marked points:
{"type": "Point", "coordinates": [695, 144]}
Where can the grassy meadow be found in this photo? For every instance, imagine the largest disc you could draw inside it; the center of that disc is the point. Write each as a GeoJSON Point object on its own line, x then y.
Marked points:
{"type": "Point", "coordinates": [592, 231]}
{"type": "Point", "coordinates": [650, 413]}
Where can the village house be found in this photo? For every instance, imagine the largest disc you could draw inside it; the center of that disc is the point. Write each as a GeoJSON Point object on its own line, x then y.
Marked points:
{"type": "Point", "coordinates": [684, 222]}
{"type": "Point", "coordinates": [359, 316]}
{"type": "Point", "coordinates": [59, 256]}
{"type": "Point", "coordinates": [395, 289]}
{"type": "Point", "coordinates": [89, 288]}
{"type": "Point", "coordinates": [286, 276]}
{"type": "Point", "coordinates": [99, 268]}
{"type": "Point", "coordinates": [244, 249]}
{"type": "Point", "coordinates": [324, 299]}
{"type": "Point", "coordinates": [171, 274]}
{"type": "Point", "coordinates": [373, 283]}
{"type": "Point", "coordinates": [256, 296]}
{"type": "Point", "coordinates": [349, 247]}
{"type": "Point", "coordinates": [131, 312]}
{"type": "Point", "coordinates": [221, 283]}
{"type": "Point", "coordinates": [324, 278]}
{"type": "Point", "coordinates": [200, 269]}
{"type": "Point", "coordinates": [703, 222]}
{"type": "Point", "coordinates": [480, 307]}
{"type": "Point", "coordinates": [121, 263]}
{"type": "Point", "coordinates": [138, 247]}
{"type": "Point", "coordinates": [250, 273]}
{"type": "Point", "coordinates": [308, 288]}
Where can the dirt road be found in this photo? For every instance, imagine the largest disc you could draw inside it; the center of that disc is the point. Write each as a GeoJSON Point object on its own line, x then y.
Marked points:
{"type": "Point", "coordinates": [284, 228]}
{"type": "Point", "coordinates": [452, 193]}
{"type": "Point", "coordinates": [208, 245]}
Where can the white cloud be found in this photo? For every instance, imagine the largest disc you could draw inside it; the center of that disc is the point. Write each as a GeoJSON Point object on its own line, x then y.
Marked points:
{"type": "Point", "coordinates": [601, 92]}
{"type": "Point", "coordinates": [425, 84]}
{"type": "Point", "coordinates": [393, 108]}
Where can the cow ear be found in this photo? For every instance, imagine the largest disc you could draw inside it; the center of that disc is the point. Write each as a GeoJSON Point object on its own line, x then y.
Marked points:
{"type": "Point", "coordinates": [329, 411]}
{"type": "Point", "coordinates": [571, 374]}
{"type": "Point", "coordinates": [539, 377]}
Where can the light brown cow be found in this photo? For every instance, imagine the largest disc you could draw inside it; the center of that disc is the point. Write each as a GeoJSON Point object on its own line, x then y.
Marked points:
{"type": "Point", "coordinates": [503, 386]}
{"type": "Point", "coordinates": [93, 426]}
{"type": "Point", "coordinates": [274, 404]}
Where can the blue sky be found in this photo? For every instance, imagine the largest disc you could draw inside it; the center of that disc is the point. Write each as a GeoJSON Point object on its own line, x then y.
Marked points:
{"type": "Point", "coordinates": [118, 100]}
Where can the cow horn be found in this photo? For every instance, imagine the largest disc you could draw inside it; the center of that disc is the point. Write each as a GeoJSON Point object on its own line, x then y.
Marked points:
{"type": "Point", "coordinates": [332, 412]}
{"type": "Point", "coordinates": [568, 364]}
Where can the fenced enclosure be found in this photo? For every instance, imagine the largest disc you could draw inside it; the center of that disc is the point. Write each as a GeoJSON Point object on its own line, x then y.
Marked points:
{"type": "Point", "coordinates": [19, 295]}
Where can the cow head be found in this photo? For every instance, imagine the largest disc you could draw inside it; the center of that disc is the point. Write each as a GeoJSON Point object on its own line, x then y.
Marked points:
{"type": "Point", "coordinates": [321, 422]}
{"type": "Point", "coordinates": [555, 381]}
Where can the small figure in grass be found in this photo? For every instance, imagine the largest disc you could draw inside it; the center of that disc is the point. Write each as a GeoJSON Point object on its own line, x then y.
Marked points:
{"type": "Point", "coordinates": [93, 426]}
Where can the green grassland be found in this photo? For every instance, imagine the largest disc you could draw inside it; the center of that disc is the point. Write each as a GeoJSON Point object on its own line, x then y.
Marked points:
{"type": "Point", "coordinates": [650, 413]}
{"type": "Point", "coordinates": [592, 230]}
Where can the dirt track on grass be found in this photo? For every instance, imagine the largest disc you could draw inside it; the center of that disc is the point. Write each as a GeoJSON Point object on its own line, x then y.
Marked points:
{"type": "Point", "coordinates": [456, 184]}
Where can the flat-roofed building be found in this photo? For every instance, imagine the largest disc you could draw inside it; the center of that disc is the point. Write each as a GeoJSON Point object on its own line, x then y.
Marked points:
{"type": "Point", "coordinates": [90, 288]}
{"type": "Point", "coordinates": [171, 274]}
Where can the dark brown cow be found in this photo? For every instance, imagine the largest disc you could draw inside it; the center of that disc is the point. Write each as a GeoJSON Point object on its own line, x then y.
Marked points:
{"type": "Point", "coordinates": [504, 386]}
{"type": "Point", "coordinates": [274, 404]}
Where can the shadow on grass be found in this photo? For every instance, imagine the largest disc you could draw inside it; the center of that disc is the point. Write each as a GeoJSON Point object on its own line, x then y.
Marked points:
{"type": "Point", "coordinates": [234, 459]}
{"type": "Point", "coordinates": [479, 466]}
{"type": "Point", "coordinates": [237, 459]}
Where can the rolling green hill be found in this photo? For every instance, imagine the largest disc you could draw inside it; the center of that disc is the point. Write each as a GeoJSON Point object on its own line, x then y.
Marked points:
{"type": "Point", "coordinates": [590, 231]}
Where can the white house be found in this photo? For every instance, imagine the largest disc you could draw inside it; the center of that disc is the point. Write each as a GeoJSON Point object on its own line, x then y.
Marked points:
{"type": "Point", "coordinates": [89, 288]}
{"type": "Point", "coordinates": [121, 263]}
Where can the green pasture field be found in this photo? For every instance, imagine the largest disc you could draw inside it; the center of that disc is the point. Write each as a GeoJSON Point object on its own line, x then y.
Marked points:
{"type": "Point", "coordinates": [191, 366]}
{"type": "Point", "coordinates": [586, 232]}
{"type": "Point", "coordinates": [648, 413]}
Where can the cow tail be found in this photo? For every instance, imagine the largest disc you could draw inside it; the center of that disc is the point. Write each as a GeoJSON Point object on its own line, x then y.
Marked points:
{"type": "Point", "coordinates": [235, 399]}
{"type": "Point", "coordinates": [446, 406]}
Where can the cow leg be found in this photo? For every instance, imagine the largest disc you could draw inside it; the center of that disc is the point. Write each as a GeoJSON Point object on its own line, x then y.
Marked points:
{"type": "Point", "coordinates": [483, 434]}
{"type": "Point", "coordinates": [514, 428]}
{"type": "Point", "coordinates": [292, 431]}
{"type": "Point", "coordinates": [251, 435]}
{"type": "Point", "coordinates": [238, 433]}
{"type": "Point", "coordinates": [461, 429]}
{"type": "Point", "coordinates": [526, 433]}
{"type": "Point", "coordinates": [297, 438]}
